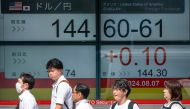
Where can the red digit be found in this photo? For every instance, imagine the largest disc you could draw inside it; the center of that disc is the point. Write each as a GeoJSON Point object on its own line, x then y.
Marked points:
{"type": "Point", "coordinates": [129, 56]}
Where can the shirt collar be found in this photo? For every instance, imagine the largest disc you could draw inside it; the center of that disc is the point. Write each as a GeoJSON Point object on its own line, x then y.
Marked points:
{"type": "Point", "coordinates": [58, 81]}
{"type": "Point", "coordinates": [81, 101]}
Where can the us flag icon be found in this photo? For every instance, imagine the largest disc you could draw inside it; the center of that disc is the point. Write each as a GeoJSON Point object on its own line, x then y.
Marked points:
{"type": "Point", "coordinates": [15, 6]}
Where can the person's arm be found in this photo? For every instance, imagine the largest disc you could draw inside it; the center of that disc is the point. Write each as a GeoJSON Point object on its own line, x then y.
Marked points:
{"type": "Point", "coordinates": [58, 106]}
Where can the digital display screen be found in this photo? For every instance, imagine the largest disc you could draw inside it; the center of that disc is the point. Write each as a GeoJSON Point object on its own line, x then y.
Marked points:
{"type": "Point", "coordinates": [145, 61]}
{"type": "Point", "coordinates": [154, 36]}
{"type": "Point", "coordinates": [145, 20]}
{"type": "Point", "coordinates": [33, 59]}
{"type": "Point", "coordinates": [48, 20]}
{"type": "Point", "coordinates": [145, 65]}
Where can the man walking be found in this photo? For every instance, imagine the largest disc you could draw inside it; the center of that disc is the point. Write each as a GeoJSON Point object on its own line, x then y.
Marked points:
{"type": "Point", "coordinates": [61, 97]}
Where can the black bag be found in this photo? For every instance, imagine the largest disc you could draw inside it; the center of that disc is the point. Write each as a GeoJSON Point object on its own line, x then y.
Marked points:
{"type": "Point", "coordinates": [17, 106]}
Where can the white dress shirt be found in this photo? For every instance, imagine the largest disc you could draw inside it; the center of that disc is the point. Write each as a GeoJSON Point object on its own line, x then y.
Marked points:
{"type": "Point", "coordinates": [61, 92]}
{"type": "Point", "coordinates": [27, 101]}
{"type": "Point", "coordinates": [83, 104]}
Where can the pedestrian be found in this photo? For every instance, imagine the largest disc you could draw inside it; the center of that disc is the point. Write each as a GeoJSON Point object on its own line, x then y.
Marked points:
{"type": "Point", "coordinates": [24, 84]}
{"type": "Point", "coordinates": [80, 95]}
{"type": "Point", "coordinates": [61, 97]}
{"type": "Point", "coordinates": [173, 95]}
{"type": "Point", "coordinates": [121, 91]}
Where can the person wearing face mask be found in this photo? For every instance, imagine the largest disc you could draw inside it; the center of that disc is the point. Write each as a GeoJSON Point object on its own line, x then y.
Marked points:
{"type": "Point", "coordinates": [23, 86]}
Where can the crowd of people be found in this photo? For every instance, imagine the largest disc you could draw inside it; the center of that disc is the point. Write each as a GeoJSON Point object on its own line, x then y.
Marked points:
{"type": "Point", "coordinates": [66, 97]}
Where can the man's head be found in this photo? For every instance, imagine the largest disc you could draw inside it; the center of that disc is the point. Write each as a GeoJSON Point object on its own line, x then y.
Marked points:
{"type": "Point", "coordinates": [25, 82]}
{"type": "Point", "coordinates": [54, 68]}
{"type": "Point", "coordinates": [80, 91]}
{"type": "Point", "coordinates": [121, 89]}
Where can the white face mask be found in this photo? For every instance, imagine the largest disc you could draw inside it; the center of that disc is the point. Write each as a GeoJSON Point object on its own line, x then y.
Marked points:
{"type": "Point", "coordinates": [18, 87]}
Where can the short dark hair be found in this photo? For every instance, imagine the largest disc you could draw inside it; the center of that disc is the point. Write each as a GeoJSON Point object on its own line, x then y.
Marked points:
{"type": "Point", "coordinates": [122, 84]}
{"type": "Point", "coordinates": [27, 78]}
{"type": "Point", "coordinates": [54, 63]}
{"type": "Point", "coordinates": [174, 88]}
{"type": "Point", "coordinates": [83, 88]}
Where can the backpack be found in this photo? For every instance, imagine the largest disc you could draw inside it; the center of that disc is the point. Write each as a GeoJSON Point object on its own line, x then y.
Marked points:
{"type": "Point", "coordinates": [130, 106]}
{"type": "Point", "coordinates": [172, 104]}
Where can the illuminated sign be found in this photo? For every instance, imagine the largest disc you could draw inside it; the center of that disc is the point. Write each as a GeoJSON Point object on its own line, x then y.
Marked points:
{"type": "Point", "coordinates": [145, 61]}
{"type": "Point", "coordinates": [34, 31]}
{"type": "Point", "coordinates": [78, 61]}
{"type": "Point", "coordinates": [43, 27]}
{"type": "Point", "coordinates": [49, 20]}
{"type": "Point", "coordinates": [145, 20]}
